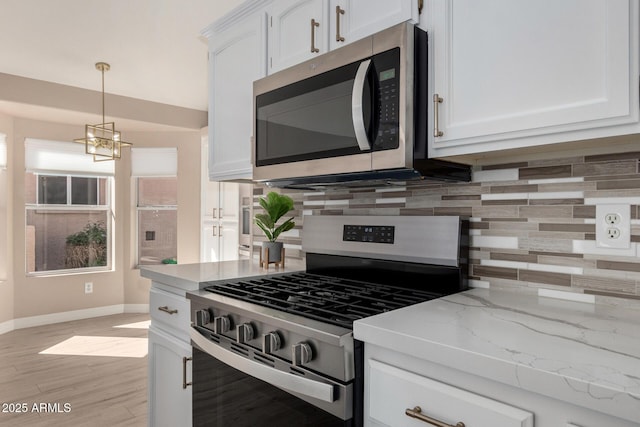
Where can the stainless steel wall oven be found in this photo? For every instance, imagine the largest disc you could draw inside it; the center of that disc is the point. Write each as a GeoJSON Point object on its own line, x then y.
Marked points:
{"type": "Point", "coordinates": [278, 350]}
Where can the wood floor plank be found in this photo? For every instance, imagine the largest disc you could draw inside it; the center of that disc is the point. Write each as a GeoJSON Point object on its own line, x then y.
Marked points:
{"type": "Point", "coordinates": [101, 390]}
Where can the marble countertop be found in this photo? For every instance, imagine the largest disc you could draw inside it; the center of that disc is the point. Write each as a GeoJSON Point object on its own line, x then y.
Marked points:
{"type": "Point", "coordinates": [188, 277]}
{"type": "Point", "coordinates": [584, 354]}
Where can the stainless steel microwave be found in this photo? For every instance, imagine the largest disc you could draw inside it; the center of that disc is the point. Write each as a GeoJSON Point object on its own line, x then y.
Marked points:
{"type": "Point", "coordinates": [358, 113]}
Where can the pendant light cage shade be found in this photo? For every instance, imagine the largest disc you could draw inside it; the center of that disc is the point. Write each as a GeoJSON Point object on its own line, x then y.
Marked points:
{"type": "Point", "coordinates": [103, 141]}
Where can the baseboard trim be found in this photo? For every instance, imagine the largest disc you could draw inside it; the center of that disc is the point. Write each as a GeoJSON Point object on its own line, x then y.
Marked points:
{"type": "Point", "coordinates": [136, 308]}
{"type": "Point", "coordinates": [66, 316]}
{"type": "Point", "coordinates": [7, 326]}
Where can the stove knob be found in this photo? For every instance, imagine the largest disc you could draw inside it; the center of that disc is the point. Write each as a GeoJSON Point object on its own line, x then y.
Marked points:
{"type": "Point", "coordinates": [202, 317]}
{"type": "Point", "coordinates": [221, 324]}
{"type": "Point", "coordinates": [271, 342]}
{"type": "Point", "coordinates": [301, 354]}
{"type": "Point", "coordinates": [244, 333]}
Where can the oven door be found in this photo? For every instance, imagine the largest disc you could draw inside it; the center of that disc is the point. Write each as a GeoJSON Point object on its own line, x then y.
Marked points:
{"type": "Point", "coordinates": [233, 385]}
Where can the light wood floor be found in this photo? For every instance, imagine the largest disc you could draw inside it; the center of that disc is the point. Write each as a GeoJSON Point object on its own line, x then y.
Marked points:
{"type": "Point", "coordinates": [99, 390]}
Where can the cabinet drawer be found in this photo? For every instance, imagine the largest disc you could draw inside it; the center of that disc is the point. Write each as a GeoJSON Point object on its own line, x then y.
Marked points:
{"type": "Point", "coordinates": [170, 312]}
{"type": "Point", "coordinates": [392, 391]}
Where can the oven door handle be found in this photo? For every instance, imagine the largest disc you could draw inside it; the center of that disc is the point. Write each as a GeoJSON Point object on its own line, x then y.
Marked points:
{"type": "Point", "coordinates": [284, 380]}
{"type": "Point", "coordinates": [357, 112]}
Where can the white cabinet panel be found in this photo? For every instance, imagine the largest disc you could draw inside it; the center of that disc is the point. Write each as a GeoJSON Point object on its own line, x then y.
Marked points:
{"type": "Point", "coordinates": [361, 18]}
{"type": "Point", "coordinates": [220, 232]}
{"type": "Point", "coordinates": [510, 69]}
{"type": "Point", "coordinates": [237, 57]}
{"type": "Point", "coordinates": [339, 22]}
{"type": "Point", "coordinates": [171, 311]}
{"type": "Point", "coordinates": [392, 391]}
{"type": "Point", "coordinates": [220, 241]}
{"type": "Point", "coordinates": [290, 32]}
{"type": "Point", "coordinates": [229, 201]}
{"type": "Point", "coordinates": [169, 401]}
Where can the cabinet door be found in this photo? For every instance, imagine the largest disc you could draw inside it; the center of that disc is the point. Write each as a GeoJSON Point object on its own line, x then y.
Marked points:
{"type": "Point", "coordinates": [210, 199]}
{"type": "Point", "coordinates": [169, 402]}
{"type": "Point", "coordinates": [360, 18]}
{"type": "Point", "coordinates": [510, 69]}
{"type": "Point", "coordinates": [293, 38]}
{"type": "Point", "coordinates": [393, 391]}
{"type": "Point", "coordinates": [210, 243]}
{"type": "Point", "coordinates": [229, 201]}
{"type": "Point", "coordinates": [237, 57]}
{"type": "Point", "coordinates": [229, 241]}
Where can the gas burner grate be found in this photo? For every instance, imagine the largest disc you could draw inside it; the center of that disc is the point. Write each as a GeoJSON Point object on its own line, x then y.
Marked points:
{"type": "Point", "coordinates": [329, 299]}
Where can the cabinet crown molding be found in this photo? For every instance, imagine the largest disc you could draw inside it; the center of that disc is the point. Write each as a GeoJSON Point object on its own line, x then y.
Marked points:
{"type": "Point", "coordinates": [237, 14]}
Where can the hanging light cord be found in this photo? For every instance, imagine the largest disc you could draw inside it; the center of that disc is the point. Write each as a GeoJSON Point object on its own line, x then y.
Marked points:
{"type": "Point", "coordinates": [102, 69]}
{"type": "Point", "coordinates": [103, 66]}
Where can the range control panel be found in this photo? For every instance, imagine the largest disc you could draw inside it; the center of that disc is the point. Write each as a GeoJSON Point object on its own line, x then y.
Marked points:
{"type": "Point", "coordinates": [368, 233]}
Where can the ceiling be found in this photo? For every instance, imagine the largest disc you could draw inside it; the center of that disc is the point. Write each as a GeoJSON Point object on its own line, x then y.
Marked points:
{"type": "Point", "coordinates": [154, 47]}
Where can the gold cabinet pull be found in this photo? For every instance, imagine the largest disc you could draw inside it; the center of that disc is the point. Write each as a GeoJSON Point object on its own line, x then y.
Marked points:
{"type": "Point", "coordinates": [166, 309]}
{"type": "Point", "coordinates": [339, 11]}
{"type": "Point", "coordinates": [185, 384]}
{"type": "Point", "coordinates": [314, 24]}
{"type": "Point", "coordinates": [417, 413]}
{"type": "Point", "coordinates": [436, 100]}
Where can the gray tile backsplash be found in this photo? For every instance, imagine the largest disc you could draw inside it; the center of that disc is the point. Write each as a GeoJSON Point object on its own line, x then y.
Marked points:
{"type": "Point", "coordinates": [532, 223]}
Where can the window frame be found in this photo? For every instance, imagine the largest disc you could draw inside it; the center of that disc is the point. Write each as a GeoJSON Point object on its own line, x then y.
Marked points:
{"type": "Point", "coordinates": [107, 208]}
{"type": "Point", "coordinates": [139, 208]}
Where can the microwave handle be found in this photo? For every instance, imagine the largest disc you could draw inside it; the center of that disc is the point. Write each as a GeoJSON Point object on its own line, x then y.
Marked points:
{"type": "Point", "coordinates": [285, 380]}
{"type": "Point", "coordinates": [356, 106]}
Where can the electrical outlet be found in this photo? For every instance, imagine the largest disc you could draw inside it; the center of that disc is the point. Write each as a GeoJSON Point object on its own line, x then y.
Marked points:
{"type": "Point", "coordinates": [613, 233]}
{"type": "Point", "coordinates": [88, 287]}
{"type": "Point", "coordinates": [613, 226]}
{"type": "Point", "coordinates": [612, 218]}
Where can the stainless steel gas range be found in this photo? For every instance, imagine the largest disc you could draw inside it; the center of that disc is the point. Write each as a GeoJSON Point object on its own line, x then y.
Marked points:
{"type": "Point", "coordinates": [278, 350]}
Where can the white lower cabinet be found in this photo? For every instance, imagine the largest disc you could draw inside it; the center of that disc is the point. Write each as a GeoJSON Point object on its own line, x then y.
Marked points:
{"type": "Point", "coordinates": [397, 382]}
{"type": "Point", "coordinates": [169, 389]}
{"type": "Point", "coordinates": [401, 398]}
{"type": "Point", "coordinates": [169, 369]}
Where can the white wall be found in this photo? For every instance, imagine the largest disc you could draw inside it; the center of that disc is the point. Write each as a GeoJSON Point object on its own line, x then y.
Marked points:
{"type": "Point", "coordinates": [6, 231]}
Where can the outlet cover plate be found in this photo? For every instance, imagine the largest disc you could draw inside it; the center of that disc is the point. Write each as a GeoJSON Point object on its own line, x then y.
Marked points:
{"type": "Point", "coordinates": [606, 231]}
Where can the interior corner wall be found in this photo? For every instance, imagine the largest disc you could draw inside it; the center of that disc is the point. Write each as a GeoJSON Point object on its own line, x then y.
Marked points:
{"type": "Point", "coordinates": [189, 151]}
{"type": "Point", "coordinates": [6, 228]}
{"type": "Point", "coordinates": [35, 296]}
{"type": "Point", "coordinates": [22, 296]}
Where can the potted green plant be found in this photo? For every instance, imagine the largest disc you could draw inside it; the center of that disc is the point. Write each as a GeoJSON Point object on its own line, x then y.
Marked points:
{"type": "Point", "coordinates": [275, 206]}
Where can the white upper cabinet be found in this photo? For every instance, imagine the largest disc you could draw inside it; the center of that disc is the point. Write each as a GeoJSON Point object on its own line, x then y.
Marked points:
{"type": "Point", "coordinates": [302, 29]}
{"type": "Point", "coordinates": [355, 19]}
{"type": "Point", "coordinates": [237, 57]}
{"type": "Point", "coordinates": [298, 30]}
{"type": "Point", "coordinates": [516, 73]}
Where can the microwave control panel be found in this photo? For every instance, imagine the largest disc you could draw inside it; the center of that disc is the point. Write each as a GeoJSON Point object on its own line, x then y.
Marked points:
{"type": "Point", "coordinates": [387, 67]}
{"type": "Point", "coordinates": [368, 233]}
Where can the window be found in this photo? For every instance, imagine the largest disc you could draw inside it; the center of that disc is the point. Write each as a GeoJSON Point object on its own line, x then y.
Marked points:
{"type": "Point", "coordinates": [157, 220]}
{"type": "Point", "coordinates": [154, 171]}
{"type": "Point", "coordinates": [68, 209]}
{"type": "Point", "coordinates": [67, 222]}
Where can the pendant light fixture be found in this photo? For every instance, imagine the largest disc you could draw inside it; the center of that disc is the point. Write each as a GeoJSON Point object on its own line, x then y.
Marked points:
{"type": "Point", "coordinates": [102, 140]}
